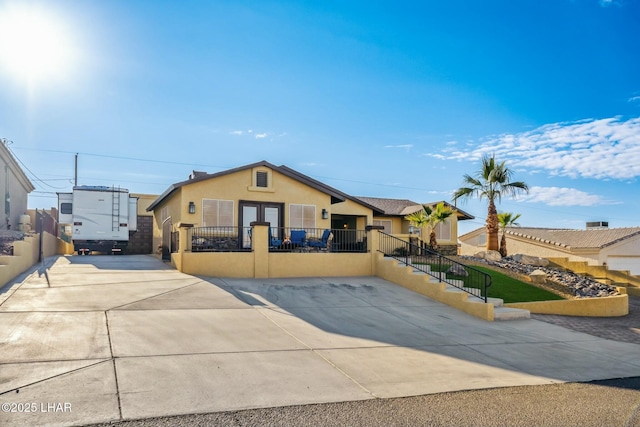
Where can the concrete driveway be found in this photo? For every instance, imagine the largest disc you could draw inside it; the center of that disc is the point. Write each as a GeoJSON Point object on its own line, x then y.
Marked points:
{"type": "Point", "coordinates": [101, 338]}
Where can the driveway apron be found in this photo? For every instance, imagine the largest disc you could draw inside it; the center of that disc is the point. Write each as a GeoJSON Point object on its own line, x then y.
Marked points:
{"type": "Point", "coordinates": [88, 339]}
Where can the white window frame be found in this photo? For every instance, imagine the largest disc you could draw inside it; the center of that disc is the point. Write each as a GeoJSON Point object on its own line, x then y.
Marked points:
{"type": "Point", "coordinates": [444, 231]}
{"type": "Point", "coordinates": [230, 219]}
{"type": "Point", "coordinates": [308, 221]}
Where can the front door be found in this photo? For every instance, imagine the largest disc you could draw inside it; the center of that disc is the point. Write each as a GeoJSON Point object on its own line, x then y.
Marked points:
{"type": "Point", "coordinates": [261, 212]}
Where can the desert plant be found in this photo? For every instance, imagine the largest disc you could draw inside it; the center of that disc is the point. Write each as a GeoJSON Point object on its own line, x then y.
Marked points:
{"type": "Point", "coordinates": [492, 182]}
{"type": "Point", "coordinates": [506, 219]}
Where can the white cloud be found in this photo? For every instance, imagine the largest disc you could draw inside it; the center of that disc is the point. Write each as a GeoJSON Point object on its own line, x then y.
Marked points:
{"type": "Point", "coordinates": [601, 149]}
{"type": "Point", "coordinates": [255, 134]}
{"type": "Point", "coordinates": [607, 3]}
{"type": "Point", "coordinates": [562, 196]}
{"type": "Point", "coordinates": [405, 146]}
{"type": "Point", "coordinates": [634, 99]}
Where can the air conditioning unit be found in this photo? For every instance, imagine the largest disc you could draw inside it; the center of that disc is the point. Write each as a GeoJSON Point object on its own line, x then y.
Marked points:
{"type": "Point", "coordinates": [597, 225]}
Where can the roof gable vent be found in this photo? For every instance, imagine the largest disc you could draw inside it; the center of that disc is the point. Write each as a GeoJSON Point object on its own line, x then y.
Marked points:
{"type": "Point", "coordinates": [262, 179]}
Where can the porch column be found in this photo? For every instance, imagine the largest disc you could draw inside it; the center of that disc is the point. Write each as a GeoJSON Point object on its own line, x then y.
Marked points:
{"type": "Point", "coordinates": [373, 244]}
{"type": "Point", "coordinates": [184, 243]}
{"type": "Point", "coordinates": [260, 248]}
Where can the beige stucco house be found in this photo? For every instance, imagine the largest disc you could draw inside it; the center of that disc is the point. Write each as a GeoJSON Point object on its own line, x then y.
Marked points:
{"type": "Point", "coordinates": [617, 248]}
{"type": "Point", "coordinates": [391, 216]}
{"type": "Point", "coordinates": [258, 192]}
{"type": "Point", "coordinates": [15, 187]}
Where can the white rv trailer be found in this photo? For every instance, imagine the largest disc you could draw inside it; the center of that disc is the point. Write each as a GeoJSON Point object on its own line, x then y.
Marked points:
{"type": "Point", "coordinates": [101, 218]}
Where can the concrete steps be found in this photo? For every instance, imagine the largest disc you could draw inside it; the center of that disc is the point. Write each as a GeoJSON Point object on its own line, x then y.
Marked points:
{"type": "Point", "coordinates": [506, 313]}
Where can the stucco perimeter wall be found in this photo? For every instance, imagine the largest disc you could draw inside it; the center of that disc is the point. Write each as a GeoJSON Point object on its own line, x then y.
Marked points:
{"type": "Point", "coordinates": [389, 269]}
{"type": "Point", "coordinates": [319, 264]}
{"type": "Point", "coordinates": [276, 264]}
{"type": "Point", "coordinates": [25, 254]}
{"type": "Point", "coordinates": [614, 306]}
{"type": "Point", "coordinates": [216, 264]}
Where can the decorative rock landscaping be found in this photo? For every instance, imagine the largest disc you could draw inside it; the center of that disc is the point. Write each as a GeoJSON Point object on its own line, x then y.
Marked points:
{"type": "Point", "coordinates": [576, 285]}
{"type": "Point", "coordinates": [7, 237]}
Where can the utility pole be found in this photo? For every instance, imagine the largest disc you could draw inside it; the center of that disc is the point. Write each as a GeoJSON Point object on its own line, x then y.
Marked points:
{"type": "Point", "coordinates": [75, 182]}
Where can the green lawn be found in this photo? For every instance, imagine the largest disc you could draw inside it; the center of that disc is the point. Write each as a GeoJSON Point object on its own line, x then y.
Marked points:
{"type": "Point", "coordinates": [513, 290]}
{"type": "Point", "coordinates": [509, 289]}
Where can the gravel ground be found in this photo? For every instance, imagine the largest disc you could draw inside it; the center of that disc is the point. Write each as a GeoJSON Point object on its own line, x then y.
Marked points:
{"type": "Point", "coordinates": [6, 240]}
{"type": "Point", "coordinates": [596, 404]}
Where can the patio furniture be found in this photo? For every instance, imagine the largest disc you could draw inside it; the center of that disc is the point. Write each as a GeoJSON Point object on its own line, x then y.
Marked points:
{"type": "Point", "coordinates": [273, 242]}
{"type": "Point", "coordinates": [322, 243]}
{"type": "Point", "coordinates": [298, 238]}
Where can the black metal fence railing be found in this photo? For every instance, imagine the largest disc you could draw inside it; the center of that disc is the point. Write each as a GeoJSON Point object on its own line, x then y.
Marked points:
{"type": "Point", "coordinates": [295, 239]}
{"type": "Point", "coordinates": [464, 277]}
{"type": "Point", "coordinates": [220, 239]}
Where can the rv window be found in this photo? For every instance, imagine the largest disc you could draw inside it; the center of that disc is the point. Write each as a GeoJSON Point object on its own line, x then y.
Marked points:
{"type": "Point", "coordinates": [65, 208]}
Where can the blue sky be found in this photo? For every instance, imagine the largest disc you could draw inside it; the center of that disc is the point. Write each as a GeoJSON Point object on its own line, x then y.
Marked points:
{"type": "Point", "coordinates": [379, 99]}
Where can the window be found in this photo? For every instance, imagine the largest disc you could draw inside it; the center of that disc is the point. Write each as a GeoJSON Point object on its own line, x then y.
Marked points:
{"type": "Point", "coordinates": [66, 208]}
{"type": "Point", "coordinates": [302, 216]}
{"type": "Point", "coordinates": [386, 223]}
{"type": "Point", "coordinates": [443, 231]}
{"type": "Point", "coordinates": [216, 213]}
{"type": "Point", "coordinates": [262, 179]}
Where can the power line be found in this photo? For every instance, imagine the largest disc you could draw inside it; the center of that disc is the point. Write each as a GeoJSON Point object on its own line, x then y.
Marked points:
{"type": "Point", "coordinates": [29, 170]}
{"type": "Point", "coordinates": [126, 158]}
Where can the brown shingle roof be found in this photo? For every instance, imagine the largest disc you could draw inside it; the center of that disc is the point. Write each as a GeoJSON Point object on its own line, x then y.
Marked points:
{"type": "Point", "coordinates": [403, 207]}
{"type": "Point", "coordinates": [594, 238]}
{"type": "Point", "coordinates": [393, 206]}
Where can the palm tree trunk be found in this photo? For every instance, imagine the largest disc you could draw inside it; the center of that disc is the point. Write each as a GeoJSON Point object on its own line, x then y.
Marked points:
{"type": "Point", "coordinates": [503, 244]}
{"type": "Point", "coordinates": [433, 243]}
{"type": "Point", "coordinates": [492, 227]}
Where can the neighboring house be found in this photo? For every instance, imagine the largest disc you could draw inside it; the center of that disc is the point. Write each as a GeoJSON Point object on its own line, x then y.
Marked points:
{"type": "Point", "coordinates": [618, 248]}
{"type": "Point", "coordinates": [258, 192]}
{"type": "Point", "coordinates": [141, 242]}
{"type": "Point", "coordinates": [394, 211]}
{"type": "Point", "coordinates": [16, 187]}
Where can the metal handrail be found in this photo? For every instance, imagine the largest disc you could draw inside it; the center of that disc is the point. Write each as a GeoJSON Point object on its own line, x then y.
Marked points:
{"type": "Point", "coordinates": [452, 272]}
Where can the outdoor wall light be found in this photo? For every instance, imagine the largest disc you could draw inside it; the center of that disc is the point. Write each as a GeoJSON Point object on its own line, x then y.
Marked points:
{"type": "Point", "coordinates": [325, 214]}
{"type": "Point", "coordinates": [411, 229]}
{"type": "Point", "coordinates": [192, 208]}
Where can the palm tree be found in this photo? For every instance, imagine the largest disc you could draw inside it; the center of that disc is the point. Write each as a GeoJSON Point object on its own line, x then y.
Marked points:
{"type": "Point", "coordinates": [431, 216]}
{"type": "Point", "coordinates": [506, 219]}
{"type": "Point", "coordinates": [491, 182]}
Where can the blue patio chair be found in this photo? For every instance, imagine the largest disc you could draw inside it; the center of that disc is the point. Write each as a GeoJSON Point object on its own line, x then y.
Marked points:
{"type": "Point", "coordinates": [273, 242]}
{"type": "Point", "coordinates": [322, 243]}
{"type": "Point", "coordinates": [298, 238]}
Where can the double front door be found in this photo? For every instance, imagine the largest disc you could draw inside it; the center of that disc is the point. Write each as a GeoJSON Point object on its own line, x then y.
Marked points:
{"type": "Point", "coordinates": [261, 212]}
